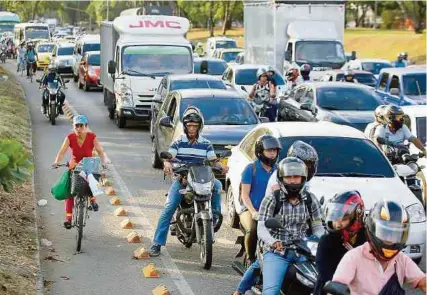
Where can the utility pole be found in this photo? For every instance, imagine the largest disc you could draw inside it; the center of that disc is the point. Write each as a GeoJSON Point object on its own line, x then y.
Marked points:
{"type": "Point", "coordinates": [375, 14]}
{"type": "Point", "coordinates": [108, 9]}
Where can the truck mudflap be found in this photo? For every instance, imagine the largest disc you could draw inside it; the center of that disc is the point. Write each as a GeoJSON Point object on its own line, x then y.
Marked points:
{"type": "Point", "coordinates": [136, 113]}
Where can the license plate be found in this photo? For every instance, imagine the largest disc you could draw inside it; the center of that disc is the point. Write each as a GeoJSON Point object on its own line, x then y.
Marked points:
{"type": "Point", "coordinates": [224, 161]}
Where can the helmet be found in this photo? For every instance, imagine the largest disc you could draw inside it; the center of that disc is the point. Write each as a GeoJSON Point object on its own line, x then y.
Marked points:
{"type": "Point", "coordinates": [51, 67]}
{"type": "Point", "coordinates": [199, 44]}
{"type": "Point", "coordinates": [349, 205]}
{"type": "Point", "coordinates": [80, 119]}
{"type": "Point", "coordinates": [271, 69]}
{"type": "Point", "coordinates": [387, 228]}
{"type": "Point", "coordinates": [261, 72]}
{"type": "Point", "coordinates": [194, 115]}
{"type": "Point", "coordinates": [307, 154]}
{"type": "Point", "coordinates": [292, 74]}
{"type": "Point", "coordinates": [291, 166]}
{"type": "Point", "coordinates": [401, 55]}
{"type": "Point", "coordinates": [265, 142]}
{"type": "Point", "coordinates": [305, 70]}
{"type": "Point", "coordinates": [348, 73]}
{"type": "Point", "coordinates": [393, 115]}
{"type": "Point", "coordinates": [379, 113]}
{"type": "Point", "coordinates": [405, 55]}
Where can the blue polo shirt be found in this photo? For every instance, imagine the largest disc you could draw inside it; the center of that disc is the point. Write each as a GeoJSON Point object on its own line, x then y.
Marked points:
{"type": "Point", "coordinates": [258, 182]}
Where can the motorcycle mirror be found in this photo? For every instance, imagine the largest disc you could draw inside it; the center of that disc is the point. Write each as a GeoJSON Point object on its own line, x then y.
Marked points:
{"type": "Point", "coordinates": [226, 154]}
{"type": "Point", "coordinates": [336, 288]}
{"type": "Point", "coordinates": [165, 155]}
{"type": "Point", "coordinates": [322, 200]}
{"type": "Point", "coordinates": [381, 140]}
{"type": "Point", "coordinates": [273, 223]}
{"type": "Point", "coordinates": [243, 88]}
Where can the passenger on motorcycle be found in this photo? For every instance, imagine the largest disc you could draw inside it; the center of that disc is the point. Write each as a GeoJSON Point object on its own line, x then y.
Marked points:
{"type": "Point", "coordinates": [294, 215]}
{"type": "Point", "coordinates": [264, 91]}
{"type": "Point", "coordinates": [305, 74]}
{"type": "Point", "coordinates": [400, 62]}
{"type": "Point", "coordinates": [271, 72]}
{"type": "Point", "coordinates": [292, 78]}
{"type": "Point", "coordinates": [343, 216]}
{"type": "Point", "coordinates": [199, 49]}
{"type": "Point", "coordinates": [349, 77]}
{"type": "Point", "coordinates": [379, 266]}
{"type": "Point", "coordinates": [379, 120]}
{"type": "Point", "coordinates": [20, 56]}
{"type": "Point", "coordinates": [190, 147]}
{"type": "Point", "coordinates": [30, 57]}
{"type": "Point", "coordinates": [48, 77]}
{"type": "Point", "coordinates": [395, 132]}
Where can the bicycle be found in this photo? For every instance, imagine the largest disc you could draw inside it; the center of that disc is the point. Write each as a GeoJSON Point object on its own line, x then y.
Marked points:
{"type": "Point", "coordinates": [22, 66]}
{"type": "Point", "coordinates": [31, 70]}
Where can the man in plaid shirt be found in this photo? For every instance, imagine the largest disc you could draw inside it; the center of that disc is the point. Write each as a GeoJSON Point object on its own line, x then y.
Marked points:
{"type": "Point", "coordinates": [294, 215]}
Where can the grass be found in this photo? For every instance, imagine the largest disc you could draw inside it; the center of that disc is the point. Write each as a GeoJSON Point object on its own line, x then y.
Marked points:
{"type": "Point", "coordinates": [367, 42]}
{"type": "Point", "coordinates": [18, 264]}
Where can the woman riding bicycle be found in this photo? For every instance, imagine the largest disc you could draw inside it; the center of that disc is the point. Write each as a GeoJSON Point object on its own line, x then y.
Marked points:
{"type": "Point", "coordinates": [81, 143]}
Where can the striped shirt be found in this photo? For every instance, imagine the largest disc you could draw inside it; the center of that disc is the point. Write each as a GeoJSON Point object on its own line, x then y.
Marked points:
{"type": "Point", "coordinates": [198, 151]}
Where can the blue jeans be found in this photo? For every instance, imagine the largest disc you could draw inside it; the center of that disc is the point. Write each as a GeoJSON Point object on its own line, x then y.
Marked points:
{"type": "Point", "coordinates": [274, 271]}
{"type": "Point", "coordinates": [172, 202]}
{"type": "Point", "coordinates": [249, 278]}
{"type": "Point", "coordinates": [271, 112]}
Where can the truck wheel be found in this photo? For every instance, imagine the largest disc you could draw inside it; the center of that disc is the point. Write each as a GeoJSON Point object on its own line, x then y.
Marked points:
{"type": "Point", "coordinates": [105, 96]}
{"type": "Point", "coordinates": [156, 162]}
{"type": "Point", "coordinates": [120, 121]}
{"type": "Point", "coordinates": [111, 113]}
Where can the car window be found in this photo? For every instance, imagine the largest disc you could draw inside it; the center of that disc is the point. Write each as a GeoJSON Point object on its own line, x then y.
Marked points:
{"type": "Point", "coordinates": [91, 47]}
{"type": "Point", "coordinates": [383, 81]}
{"type": "Point", "coordinates": [347, 99]}
{"type": "Point", "coordinates": [94, 60]}
{"type": "Point", "coordinates": [172, 109]}
{"type": "Point", "coordinates": [248, 77]}
{"type": "Point", "coordinates": [375, 67]}
{"type": "Point", "coordinates": [361, 155]}
{"type": "Point", "coordinates": [414, 84]}
{"type": "Point", "coordinates": [226, 44]}
{"type": "Point", "coordinates": [230, 56]}
{"type": "Point", "coordinates": [248, 146]}
{"type": "Point", "coordinates": [394, 83]}
{"type": "Point", "coordinates": [204, 84]}
{"type": "Point", "coordinates": [214, 67]}
{"type": "Point", "coordinates": [299, 93]}
{"type": "Point", "coordinates": [65, 51]}
{"type": "Point", "coordinates": [45, 48]}
{"type": "Point", "coordinates": [421, 129]}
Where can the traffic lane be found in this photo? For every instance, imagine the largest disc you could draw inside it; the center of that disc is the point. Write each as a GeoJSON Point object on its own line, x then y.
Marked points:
{"type": "Point", "coordinates": [130, 151]}
{"type": "Point", "coordinates": [105, 266]}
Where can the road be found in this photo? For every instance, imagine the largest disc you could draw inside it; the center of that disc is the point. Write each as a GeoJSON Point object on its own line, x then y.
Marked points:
{"type": "Point", "coordinates": [106, 266]}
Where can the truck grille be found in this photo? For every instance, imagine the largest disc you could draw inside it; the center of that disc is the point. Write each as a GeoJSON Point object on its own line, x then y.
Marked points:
{"type": "Point", "coordinates": [145, 98]}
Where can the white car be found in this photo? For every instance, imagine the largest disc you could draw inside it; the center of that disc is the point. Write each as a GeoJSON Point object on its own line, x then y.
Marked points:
{"type": "Point", "coordinates": [214, 43]}
{"type": "Point", "coordinates": [368, 64]}
{"type": "Point", "coordinates": [63, 57]}
{"type": "Point", "coordinates": [347, 161]}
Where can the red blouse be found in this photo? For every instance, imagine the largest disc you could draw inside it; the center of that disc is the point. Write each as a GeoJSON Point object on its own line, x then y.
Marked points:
{"type": "Point", "coordinates": [78, 152]}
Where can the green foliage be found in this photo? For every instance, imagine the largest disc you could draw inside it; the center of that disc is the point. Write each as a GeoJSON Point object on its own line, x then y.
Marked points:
{"type": "Point", "coordinates": [389, 19]}
{"type": "Point", "coordinates": [15, 164]}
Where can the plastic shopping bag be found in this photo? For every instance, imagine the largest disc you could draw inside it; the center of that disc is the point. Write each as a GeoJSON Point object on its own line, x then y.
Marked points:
{"type": "Point", "coordinates": [61, 189]}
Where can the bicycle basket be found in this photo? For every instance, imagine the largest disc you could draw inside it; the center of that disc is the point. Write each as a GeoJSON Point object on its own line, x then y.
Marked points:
{"type": "Point", "coordinates": [79, 185]}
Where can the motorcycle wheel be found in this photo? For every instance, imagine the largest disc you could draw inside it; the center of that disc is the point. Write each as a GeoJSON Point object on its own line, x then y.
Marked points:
{"type": "Point", "coordinates": [206, 244]}
{"type": "Point", "coordinates": [53, 113]}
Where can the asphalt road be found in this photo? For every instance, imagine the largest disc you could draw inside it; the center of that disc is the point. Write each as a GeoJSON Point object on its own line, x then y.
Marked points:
{"type": "Point", "coordinates": [105, 266]}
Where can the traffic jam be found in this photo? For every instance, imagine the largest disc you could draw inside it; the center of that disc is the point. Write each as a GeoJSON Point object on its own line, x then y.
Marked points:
{"type": "Point", "coordinates": [313, 158]}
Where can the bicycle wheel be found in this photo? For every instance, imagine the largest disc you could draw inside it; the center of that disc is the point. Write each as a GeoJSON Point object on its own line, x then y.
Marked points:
{"type": "Point", "coordinates": [81, 207]}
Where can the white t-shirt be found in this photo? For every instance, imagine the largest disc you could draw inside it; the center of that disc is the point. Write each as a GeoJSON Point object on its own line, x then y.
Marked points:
{"type": "Point", "coordinates": [397, 138]}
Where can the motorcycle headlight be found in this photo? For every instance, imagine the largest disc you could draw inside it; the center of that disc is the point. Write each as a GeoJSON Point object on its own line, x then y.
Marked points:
{"type": "Point", "coordinates": [416, 212]}
{"type": "Point", "coordinates": [304, 281]}
{"type": "Point", "coordinates": [202, 188]}
{"type": "Point", "coordinates": [126, 94]}
{"type": "Point", "coordinates": [53, 91]}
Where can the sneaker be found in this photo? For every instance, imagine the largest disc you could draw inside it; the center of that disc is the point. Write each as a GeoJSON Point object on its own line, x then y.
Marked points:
{"type": "Point", "coordinates": [155, 250]}
{"type": "Point", "coordinates": [95, 206]}
{"type": "Point", "coordinates": [67, 224]}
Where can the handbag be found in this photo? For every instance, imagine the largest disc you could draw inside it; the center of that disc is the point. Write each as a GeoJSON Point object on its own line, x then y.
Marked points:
{"type": "Point", "coordinates": [61, 189]}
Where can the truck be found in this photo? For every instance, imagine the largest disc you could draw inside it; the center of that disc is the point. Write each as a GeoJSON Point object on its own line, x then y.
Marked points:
{"type": "Point", "coordinates": [287, 34]}
{"type": "Point", "coordinates": [137, 51]}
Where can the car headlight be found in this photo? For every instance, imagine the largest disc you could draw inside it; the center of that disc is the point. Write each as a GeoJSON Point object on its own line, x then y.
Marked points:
{"type": "Point", "coordinates": [202, 188]}
{"type": "Point", "coordinates": [416, 213]}
{"type": "Point", "coordinates": [126, 94]}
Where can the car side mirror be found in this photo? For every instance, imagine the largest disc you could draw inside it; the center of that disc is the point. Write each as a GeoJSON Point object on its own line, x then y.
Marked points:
{"type": "Point", "coordinates": [264, 119]}
{"type": "Point", "coordinates": [204, 67]}
{"type": "Point", "coordinates": [111, 67]}
{"type": "Point", "coordinates": [166, 122]}
{"type": "Point", "coordinates": [165, 155]}
{"type": "Point", "coordinates": [322, 200]}
{"type": "Point", "coordinates": [243, 88]}
{"type": "Point", "coordinates": [395, 91]}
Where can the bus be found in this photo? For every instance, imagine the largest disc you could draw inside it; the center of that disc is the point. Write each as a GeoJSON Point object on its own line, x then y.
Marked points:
{"type": "Point", "coordinates": [7, 21]}
{"type": "Point", "coordinates": [33, 31]}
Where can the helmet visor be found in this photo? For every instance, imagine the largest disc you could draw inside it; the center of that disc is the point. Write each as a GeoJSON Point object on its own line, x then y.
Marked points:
{"type": "Point", "coordinates": [271, 143]}
{"type": "Point", "coordinates": [390, 232]}
{"type": "Point", "coordinates": [339, 212]}
{"type": "Point", "coordinates": [293, 169]}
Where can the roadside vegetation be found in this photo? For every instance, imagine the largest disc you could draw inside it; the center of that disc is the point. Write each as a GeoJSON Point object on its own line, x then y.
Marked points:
{"type": "Point", "coordinates": [18, 264]}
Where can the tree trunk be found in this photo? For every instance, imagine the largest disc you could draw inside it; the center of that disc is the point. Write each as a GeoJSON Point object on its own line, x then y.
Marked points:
{"type": "Point", "coordinates": [227, 12]}
{"type": "Point", "coordinates": [211, 20]}
{"type": "Point", "coordinates": [36, 6]}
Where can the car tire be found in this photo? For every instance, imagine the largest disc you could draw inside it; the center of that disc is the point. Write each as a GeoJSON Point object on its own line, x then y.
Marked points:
{"type": "Point", "coordinates": [156, 162]}
{"type": "Point", "coordinates": [232, 216]}
{"type": "Point", "coordinates": [120, 121]}
{"type": "Point", "coordinates": [111, 113]}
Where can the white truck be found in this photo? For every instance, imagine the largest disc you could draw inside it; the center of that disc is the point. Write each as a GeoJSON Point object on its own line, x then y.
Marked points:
{"type": "Point", "coordinates": [136, 52]}
{"type": "Point", "coordinates": [288, 34]}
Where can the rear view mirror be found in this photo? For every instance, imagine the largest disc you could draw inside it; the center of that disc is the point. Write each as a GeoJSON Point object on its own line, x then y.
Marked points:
{"type": "Point", "coordinates": [111, 67]}
{"type": "Point", "coordinates": [166, 122]}
{"type": "Point", "coordinates": [165, 155]}
{"type": "Point", "coordinates": [204, 67]}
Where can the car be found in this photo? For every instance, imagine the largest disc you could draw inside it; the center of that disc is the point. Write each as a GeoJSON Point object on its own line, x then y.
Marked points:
{"type": "Point", "coordinates": [347, 161]}
{"type": "Point", "coordinates": [368, 64]}
{"type": "Point", "coordinates": [362, 77]}
{"type": "Point", "coordinates": [240, 58]}
{"type": "Point", "coordinates": [350, 104]}
{"type": "Point", "coordinates": [403, 86]}
{"type": "Point", "coordinates": [214, 43]}
{"type": "Point", "coordinates": [83, 44]}
{"type": "Point", "coordinates": [89, 71]}
{"type": "Point", "coordinates": [216, 66]}
{"type": "Point", "coordinates": [227, 118]}
{"type": "Point", "coordinates": [171, 83]}
{"type": "Point", "coordinates": [228, 54]}
{"type": "Point", "coordinates": [44, 54]}
{"type": "Point", "coordinates": [243, 77]}
{"type": "Point", "coordinates": [63, 57]}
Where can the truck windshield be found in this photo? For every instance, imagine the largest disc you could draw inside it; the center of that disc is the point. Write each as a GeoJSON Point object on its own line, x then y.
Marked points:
{"type": "Point", "coordinates": [156, 60]}
{"type": "Point", "coordinates": [36, 33]}
{"type": "Point", "coordinates": [414, 84]}
{"type": "Point", "coordinates": [320, 53]}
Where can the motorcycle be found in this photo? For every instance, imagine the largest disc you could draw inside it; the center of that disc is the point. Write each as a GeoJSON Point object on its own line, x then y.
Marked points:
{"type": "Point", "coordinates": [301, 276]}
{"type": "Point", "coordinates": [10, 53]}
{"type": "Point", "coordinates": [53, 89]}
{"type": "Point", "coordinates": [194, 217]}
{"type": "Point", "coordinates": [3, 53]}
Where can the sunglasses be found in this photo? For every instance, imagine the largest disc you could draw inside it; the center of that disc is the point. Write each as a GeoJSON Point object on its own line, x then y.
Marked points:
{"type": "Point", "coordinates": [78, 125]}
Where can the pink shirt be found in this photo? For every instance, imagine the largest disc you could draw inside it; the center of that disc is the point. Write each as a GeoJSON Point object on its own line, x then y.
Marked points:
{"type": "Point", "coordinates": [364, 275]}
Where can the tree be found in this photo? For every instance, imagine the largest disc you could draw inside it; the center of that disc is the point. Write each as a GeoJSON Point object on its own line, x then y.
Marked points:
{"type": "Point", "coordinates": [416, 11]}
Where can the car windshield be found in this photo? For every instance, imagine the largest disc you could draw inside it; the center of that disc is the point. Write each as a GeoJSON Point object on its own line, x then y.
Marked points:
{"type": "Point", "coordinates": [222, 111]}
{"type": "Point", "coordinates": [65, 51]}
{"type": "Point", "coordinates": [45, 48]}
{"type": "Point", "coordinates": [366, 79]}
{"type": "Point", "coordinates": [226, 44]}
{"type": "Point", "coordinates": [319, 52]}
{"type": "Point", "coordinates": [414, 84]}
{"type": "Point", "coordinates": [91, 47]}
{"type": "Point", "coordinates": [375, 67]}
{"type": "Point", "coordinates": [94, 60]}
{"type": "Point", "coordinates": [360, 157]}
{"type": "Point", "coordinates": [230, 56]}
{"type": "Point", "coordinates": [248, 77]}
{"type": "Point", "coordinates": [156, 60]}
{"type": "Point", "coordinates": [36, 33]}
{"type": "Point", "coordinates": [347, 99]}
{"type": "Point", "coordinates": [422, 129]}
{"type": "Point", "coordinates": [189, 84]}
{"type": "Point", "coordinates": [214, 67]}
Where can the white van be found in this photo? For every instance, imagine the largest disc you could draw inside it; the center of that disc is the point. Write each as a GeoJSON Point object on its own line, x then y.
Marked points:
{"type": "Point", "coordinates": [84, 44]}
{"type": "Point", "coordinates": [214, 43]}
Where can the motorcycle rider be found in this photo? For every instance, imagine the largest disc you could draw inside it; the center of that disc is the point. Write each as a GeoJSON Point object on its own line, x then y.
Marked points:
{"type": "Point", "coordinates": [20, 56]}
{"type": "Point", "coordinates": [48, 77]}
{"type": "Point", "coordinates": [379, 120]}
{"type": "Point", "coordinates": [292, 78]}
{"type": "Point", "coordinates": [189, 147]}
{"type": "Point", "coordinates": [199, 49]}
{"type": "Point", "coordinates": [379, 266]}
{"type": "Point", "coordinates": [294, 215]}
{"type": "Point", "coordinates": [395, 132]}
{"type": "Point", "coordinates": [349, 77]}
{"type": "Point", "coordinates": [264, 90]}
{"type": "Point", "coordinates": [400, 62]}
{"type": "Point", "coordinates": [343, 216]}
{"type": "Point", "coordinates": [30, 57]}
{"type": "Point", "coordinates": [305, 73]}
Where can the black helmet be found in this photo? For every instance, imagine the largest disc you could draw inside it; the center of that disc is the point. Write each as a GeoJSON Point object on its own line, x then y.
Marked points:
{"type": "Point", "coordinates": [291, 166]}
{"type": "Point", "coordinates": [387, 227]}
{"type": "Point", "coordinates": [393, 115]}
{"type": "Point", "coordinates": [307, 154]}
{"type": "Point", "coordinates": [193, 115]}
{"type": "Point", "coordinates": [305, 70]}
{"type": "Point", "coordinates": [265, 142]}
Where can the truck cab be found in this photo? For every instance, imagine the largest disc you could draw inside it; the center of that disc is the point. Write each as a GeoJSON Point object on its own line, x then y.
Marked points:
{"type": "Point", "coordinates": [136, 53]}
